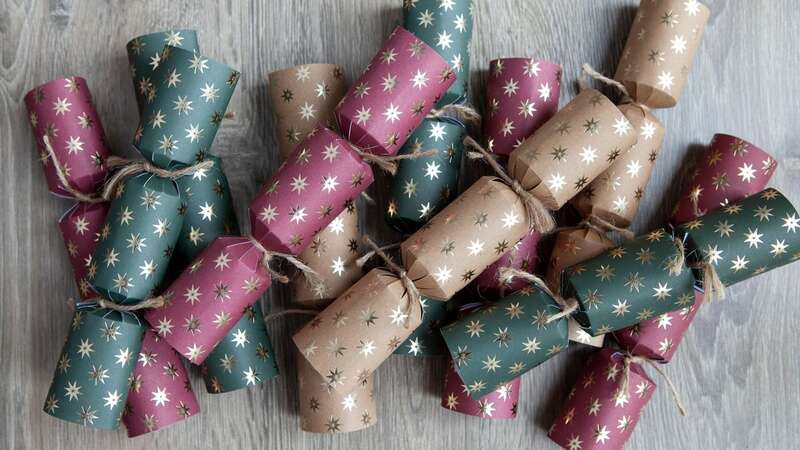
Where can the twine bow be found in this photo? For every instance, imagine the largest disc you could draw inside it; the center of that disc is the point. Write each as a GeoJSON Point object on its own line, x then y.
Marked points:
{"type": "Point", "coordinates": [539, 217]}
{"type": "Point", "coordinates": [676, 263]}
{"type": "Point", "coordinates": [568, 306]}
{"type": "Point", "coordinates": [361, 261]}
{"type": "Point", "coordinates": [389, 163]}
{"type": "Point", "coordinates": [269, 255]}
{"type": "Point", "coordinates": [462, 112]}
{"type": "Point", "coordinates": [626, 99]}
{"type": "Point", "coordinates": [599, 225]}
{"type": "Point", "coordinates": [631, 359]}
{"type": "Point", "coordinates": [414, 297]}
{"type": "Point", "coordinates": [127, 167]}
{"type": "Point", "coordinates": [150, 303]}
{"type": "Point", "coordinates": [712, 285]}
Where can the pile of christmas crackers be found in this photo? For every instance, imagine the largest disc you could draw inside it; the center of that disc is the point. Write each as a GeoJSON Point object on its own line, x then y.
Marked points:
{"type": "Point", "coordinates": [166, 275]}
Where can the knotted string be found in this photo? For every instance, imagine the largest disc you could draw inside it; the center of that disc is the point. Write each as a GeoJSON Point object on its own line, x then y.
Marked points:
{"type": "Point", "coordinates": [539, 217]}
{"type": "Point", "coordinates": [626, 99]}
{"type": "Point", "coordinates": [462, 112]}
{"type": "Point", "coordinates": [568, 306]}
{"type": "Point", "coordinates": [694, 199]}
{"type": "Point", "coordinates": [631, 359]}
{"type": "Point", "coordinates": [362, 260]}
{"type": "Point", "coordinates": [269, 255]}
{"type": "Point", "coordinates": [152, 302]}
{"type": "Point", "coordinates": [389, 163]}
{"type": "Point", "coordinates": [127, 167]}
{"type": "Point", "coordinates": [676, 263]}
{"type": "Point", "coordinates": [286, 312]}
{"type": "Point", "coordinates": [712, 285]}
{"type": "Point", "coordinates": [600, 225]}
{"type": "Point", "coordinates": [414, 296]}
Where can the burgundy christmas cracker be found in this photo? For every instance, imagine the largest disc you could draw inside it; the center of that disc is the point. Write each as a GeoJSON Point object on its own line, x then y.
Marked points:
{"type": "Point", "coordinates": [320, 178]}
{"type": "Point", "coordinates": [731, 169]}
{"type": "Point", "coordinates": [498, 404]}
{"type": "Point", "coordinates": [210, 296]}
{"type": "Point", "coordinates": [521, 95]}
{"type": "Point", "coordinates": [63, 112]}
{"type": "Point", "coordinates": [160, 393]}
{"type": "Point", "coordinates": [599, 413]}
{"type": "Point", "coordinates": [393, 95]}
{"type": "Point", "coordinates": [80, 227]}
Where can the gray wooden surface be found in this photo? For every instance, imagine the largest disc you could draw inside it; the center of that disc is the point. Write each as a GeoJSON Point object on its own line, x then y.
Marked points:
{"type": "Point", "coordinates": [737, 368]}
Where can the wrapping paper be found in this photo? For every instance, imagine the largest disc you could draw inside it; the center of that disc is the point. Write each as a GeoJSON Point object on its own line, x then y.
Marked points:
{"type": "Point", "coordinates": [572, 247]}
{"type": "Point", "coordinates": [316, 183]}
{"type": "Point", "coordinates": [207, 211]}
{"type": "Point", "coordinates": [244, 357]}
{"type": "Point", "coordinates": [80, 227]}
{"type": "Point", "coordinates": [522, 256]}
{"type": "Point", "coordinates": [393, 95]}
{"type": "Point", "coordinates": [137, 239]}
{"type": "Point", "coordinates": [160, 393]}
{"type": "Point", "coordinates": [658, 339]}
{"type": "Point", "coordinates": [191, 95]}
{"type": "Point", "coordinates": [210, 296]}
{"type": "Point", "coordinates": [447, 28]}
{"type": "Point", "coordinates": [660, 49]}
{"type": "Point", "coordinates": [470, 234]}
{"type": "Point", "coordinates": [572, 149]}
{"type": "Point", "coordinates": [426, 340]}
{"type": "Point", "coordinates": [63, 110]}
{"type": "Point", "coordinates": [348, 340]}
{"type": "Point", "coordinates": [332, 254]}
{"type": "Point", "coordinates": [521, 95]}
{"type": "Point", "coordinates": [425, 185]}
{"type": "Point", "coordinates": [731, 169]}
{"type": "Point", "coordinates": [597, 413]}
{"type": "Point", "coordinates": [746, 238]}
{"type": "Point", "coordinates": [628, 284]}
{"type": "Point", "coordinates": [144, 57]}
{"type": "Point", "coordinates": [493, 346]}
{"type": "Point", "coordinates": [90, 385]}
{"type": "Point", "coordinates": [323, 409]}
{"type": "Point", "coordinates": [498, 404]}
{"type": "Point", "coordinates": [301, 98]}
{"type": "Point", "coordinates": [615, 195]}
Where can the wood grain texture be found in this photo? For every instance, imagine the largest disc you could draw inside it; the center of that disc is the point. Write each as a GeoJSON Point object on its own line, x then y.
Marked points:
{"type": "Point", "coordinates": [737, 367]}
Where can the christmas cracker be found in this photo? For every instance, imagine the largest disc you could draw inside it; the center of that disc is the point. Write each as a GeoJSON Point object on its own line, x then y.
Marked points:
{"type": "Point", "coordinates": [522, 256]}
{"type": "Point", "coordinates": [498, 404]}
{"type": "Point", "coordinates": [660, 49]}
{"type": "Point", "coordinates": [90, 385]}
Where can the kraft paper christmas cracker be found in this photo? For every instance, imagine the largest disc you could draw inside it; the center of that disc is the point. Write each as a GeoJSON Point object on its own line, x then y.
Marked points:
{"type": "Point", "coordinates": [207, 210]}
{"type": "Point", "coordinates": [471, 233]}
{"type": "Point", "coordinates": [210, 296]}
{"type": "Point", "coordinates": [137, 240]}
{"type": "Point", "coordinates": [81, 227]}
{"type": "Point", "coordinates": [447, 28]}
{"type": "Point", "coordinates": [332, 254]}
{"type": "Point", "coordinates": [660, 49]}
{"type": "Point", "coordinates": [599, 412]}
{"type": "Point", "coordinates": [426, 340]}
{"type": "Point", "coordinates": [401, 84]}
{"type": "Point", "coordinates": [191, 96]}
{"type": "Point", "coordinates": [323, 409]}
{"type": "Point", "coordinates": [318, 181]}
{"type": "Point", "coordinates": [746, 238]}
{"type": "Point", "coordinates": [521, 96]}
{"type": "Point", "coordinates": [498, 404]}
{"type": "Point", "coordinates": [348, 340]}
{"type": "Point", "coordinates": [729, 170]}
{"type": "Point", "coordinates": [614, 196]}
{"type": "Point", "coordinates": [244, 357]}
{"type": "Point", "coordinates": [571, 248]}
{"type": "Point", "coordinates": [160, 393]}
{"type": "Point", "coordinates": [144, 57]}
{"type": "Point", "coordinates": [302, 97]}
{"type": "Point", "coordinates": [425, 185]}
{"type": "Point", "coordinates": [639, 280]}
{"type": "Point", "coordinates": [90, 385]}
{"type": "Point", "coordinates": [522, 256]}
{"type": "Point", "coordinates": [495, 345]}
{"type": "Point", "coordinates": [572, 149]}
{"type": "Point", "coordinates": [62, 111]}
